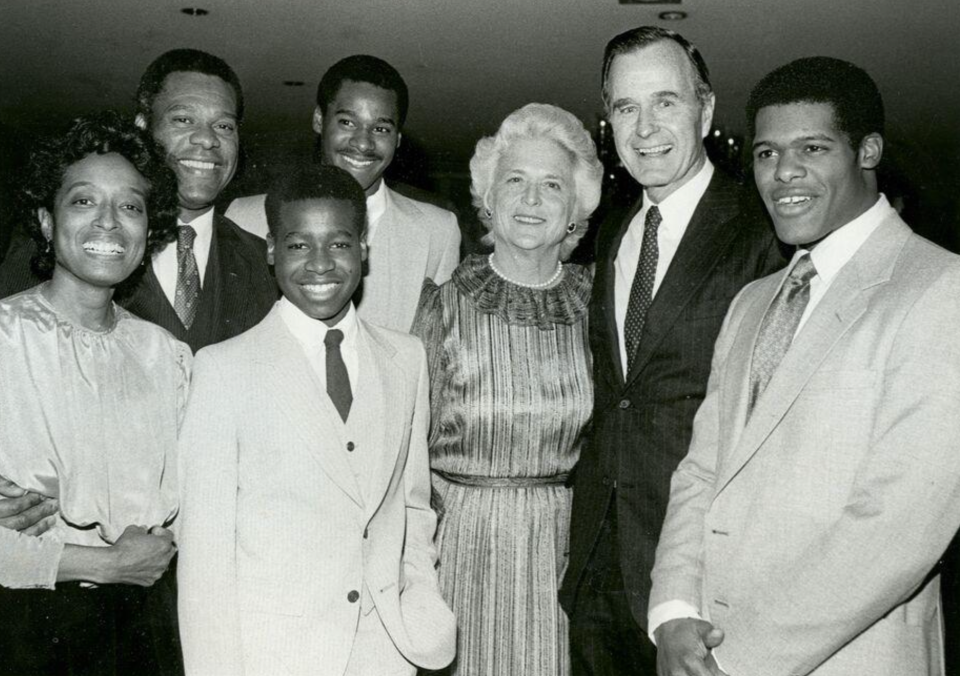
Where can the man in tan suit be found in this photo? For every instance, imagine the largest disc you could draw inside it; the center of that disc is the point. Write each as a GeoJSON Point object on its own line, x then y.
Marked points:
{"type": "Point", "coordinates": [361, 107]}
{"type": "Point", "coordinates": [306, 541]}
{"type": "Point", "coordinates": [823, 479]}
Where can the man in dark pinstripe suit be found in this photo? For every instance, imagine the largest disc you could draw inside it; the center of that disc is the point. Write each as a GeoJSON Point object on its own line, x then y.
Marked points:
{"type": "Point", "coordinates": [667, 268]}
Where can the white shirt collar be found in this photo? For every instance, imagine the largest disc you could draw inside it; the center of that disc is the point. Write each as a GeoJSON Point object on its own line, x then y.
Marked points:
{"type": "Point", "coordinates": [310, 332]}
{"type": "Point", "coordinates": [837, 248]}
{"type": "Point", "coordinates": [165, 261]}
{"type": "Point", "coordinates": [678, 207]}
{"type": "Point", "coordinates": [376, 207]}
{"type": "Point", "coordinates": [203, 226]}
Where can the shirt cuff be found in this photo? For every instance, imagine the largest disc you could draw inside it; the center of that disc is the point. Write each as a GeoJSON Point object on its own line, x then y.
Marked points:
{"type": "Point", "coordinates": [666, 611]}
{"type": "Point", "coordinates": [29, 562]}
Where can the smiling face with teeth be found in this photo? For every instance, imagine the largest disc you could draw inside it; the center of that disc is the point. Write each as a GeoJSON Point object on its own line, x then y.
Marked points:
{"type": "Point", "coordinates": [360, 131]}
{"type": "Point", "coordinates": [195, 120]}
{"type": "Point", "coordinates": [811, 179]}
{"type": "Point", "coordinates": [317, 252]}
{"type": "Point", "coordinates": [532, 197]}
{"type": "Point", "coordinates": [658, 120]}
{"type": "Point", "coordinates": [99, 222]}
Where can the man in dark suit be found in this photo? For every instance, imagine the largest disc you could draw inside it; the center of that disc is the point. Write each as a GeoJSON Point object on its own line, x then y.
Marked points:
{"type": "Point", "coordinates": [214, 282]}
{"type": "Point", "coordinates": [667, 268]}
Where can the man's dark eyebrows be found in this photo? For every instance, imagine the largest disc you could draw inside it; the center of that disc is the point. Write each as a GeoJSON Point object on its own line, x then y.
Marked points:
{"type": "Point", "coordinates": [818, 137]}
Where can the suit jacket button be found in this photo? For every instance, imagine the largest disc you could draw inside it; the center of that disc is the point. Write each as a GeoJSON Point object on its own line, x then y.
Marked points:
{"type": "Point", "coordinates": [624, 403]}
{"type": "Point", "coordinates": [353, 596]}
{"type": "Point", "coordinates": [350, 446]}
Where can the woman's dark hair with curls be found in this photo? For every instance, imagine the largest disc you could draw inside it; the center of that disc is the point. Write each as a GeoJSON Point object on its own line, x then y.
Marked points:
{"type": "Point", "coordinates": [102, 133]}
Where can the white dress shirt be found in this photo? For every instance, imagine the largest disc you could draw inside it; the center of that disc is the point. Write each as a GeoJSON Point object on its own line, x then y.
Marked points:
{"type": "Point", "coordinates": [829, 256]}
{"type": "Point", "coordinates": [165, 262]}
{"type": "Point", "coordinates": [376, 206]}
{"type": "Point", "coordinates": [836, 249]}
{"type": "Point", "coordinates": [676, 211]}
{"type": "Point", "coordinates": [310, 333]}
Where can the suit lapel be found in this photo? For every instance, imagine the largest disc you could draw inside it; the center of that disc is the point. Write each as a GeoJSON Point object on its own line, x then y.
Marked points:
{"type": "Point", "coordinates": [380, 407]}
{"type": "Point", "coordinates": [311, 414]}
{"type": "Point", "coordinates": [700, 249]}
{"type": "Point", "coordinates": [401, 254]}
{"type": "Point", "coordinates": [609, 296]}
{"type": "Point", "coordinates": [149, 302]}
{"type": "Point", "coordinates": [232, 275]}
{"type": "Point", "coordinates": [844, 303]}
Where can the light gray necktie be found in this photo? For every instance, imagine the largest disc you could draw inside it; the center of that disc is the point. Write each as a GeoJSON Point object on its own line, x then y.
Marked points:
{"type": "Point", "coordinates": [779, 326]}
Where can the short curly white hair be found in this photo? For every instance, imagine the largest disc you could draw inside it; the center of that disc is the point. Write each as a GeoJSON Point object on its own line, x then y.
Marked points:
{"type": "Point", "coordinates": [535, 121]}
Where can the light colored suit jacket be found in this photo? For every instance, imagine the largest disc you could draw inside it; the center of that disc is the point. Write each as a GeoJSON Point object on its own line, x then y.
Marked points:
{"type": "Point", "coordinates": [810, 533]}
{"type": "Point", "coordinates": [281, 547]}
{"type": "Point", "coordinates": [414, 241]}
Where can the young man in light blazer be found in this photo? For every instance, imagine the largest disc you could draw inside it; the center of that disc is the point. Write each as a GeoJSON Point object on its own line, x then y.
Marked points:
{"type": "Point", "coordinates": [823, 480]}
{"type": "Point", "coordinates": [307, 535]}
{"type": "Point", "coordinates": [361, 108]}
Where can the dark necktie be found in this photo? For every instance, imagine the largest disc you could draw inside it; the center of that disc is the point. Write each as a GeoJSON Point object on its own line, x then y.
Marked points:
{"type": "Point", "coordinates": [641, 292]}
{"type": "Point", "coordinates": [338, 380]}
{"type": "Point", "coordinates": [779, 326]}
{"type": "Point", "coordinates": [188, 277]}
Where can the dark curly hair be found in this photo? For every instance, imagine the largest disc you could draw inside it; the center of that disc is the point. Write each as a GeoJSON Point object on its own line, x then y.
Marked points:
{"type": "Point", "coordinates": [856, 101]}
{"type": "Point", "coordinates": [102, 133]}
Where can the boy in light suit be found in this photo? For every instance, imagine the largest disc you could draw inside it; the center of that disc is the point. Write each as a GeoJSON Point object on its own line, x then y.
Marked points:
{"type": "Point", "coordinates": [307, 535]}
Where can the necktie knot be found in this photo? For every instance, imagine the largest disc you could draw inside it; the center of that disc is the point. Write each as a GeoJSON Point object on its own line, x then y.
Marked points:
{"type": "Point", "coordinates": [803, 271]}
{"type": "Point", "coordinates": [653, 219]}
{"type": "Point", "coordinates": [333, 339]}
{"type": "Point", "coordinates": [185, 237]}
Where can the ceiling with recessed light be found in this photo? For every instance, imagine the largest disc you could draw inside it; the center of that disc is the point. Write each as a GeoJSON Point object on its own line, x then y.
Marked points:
{"type": "Point", "coordinates": [468, 64]}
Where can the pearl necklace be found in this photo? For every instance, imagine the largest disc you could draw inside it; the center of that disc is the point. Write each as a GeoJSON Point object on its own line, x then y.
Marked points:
{"type": "Point", "coordinates": [541, 285]}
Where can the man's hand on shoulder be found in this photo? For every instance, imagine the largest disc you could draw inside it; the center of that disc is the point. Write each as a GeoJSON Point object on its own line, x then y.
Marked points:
{"type": "Point", "coordinates": [684, 645]}
{"type": "Point", "coordinates": [30, 513]}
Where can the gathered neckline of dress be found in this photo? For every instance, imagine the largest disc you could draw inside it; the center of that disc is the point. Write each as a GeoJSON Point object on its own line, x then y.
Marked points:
{"type": "Point", "coordinates": [64, 322]}
{"type": "Point", "coordinates": [565, 303]}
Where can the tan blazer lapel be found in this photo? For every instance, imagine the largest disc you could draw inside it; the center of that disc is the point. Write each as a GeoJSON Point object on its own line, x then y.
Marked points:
{"type": "Point", "coordinates": [311, 414]}
{"type": "Point", "coordinates": [845, 302]}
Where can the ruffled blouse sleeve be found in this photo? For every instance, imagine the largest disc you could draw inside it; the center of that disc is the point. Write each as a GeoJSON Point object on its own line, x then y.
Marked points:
{"type": "Point", "coordinates": [29, 562]}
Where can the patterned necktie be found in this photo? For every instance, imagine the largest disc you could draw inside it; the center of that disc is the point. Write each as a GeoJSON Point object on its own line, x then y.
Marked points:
{"type": "Point", "coordinates": [779, 326]}
{"type": "Point", "coordinates": [338, 380]}
{"type": "Point", "coordinates": [641, 292]}
{"type": "Point", "coordinates": [188, 277]}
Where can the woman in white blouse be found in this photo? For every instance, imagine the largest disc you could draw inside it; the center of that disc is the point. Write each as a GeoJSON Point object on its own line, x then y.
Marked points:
{"type": "Point", "coordinates": [89, 408]}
